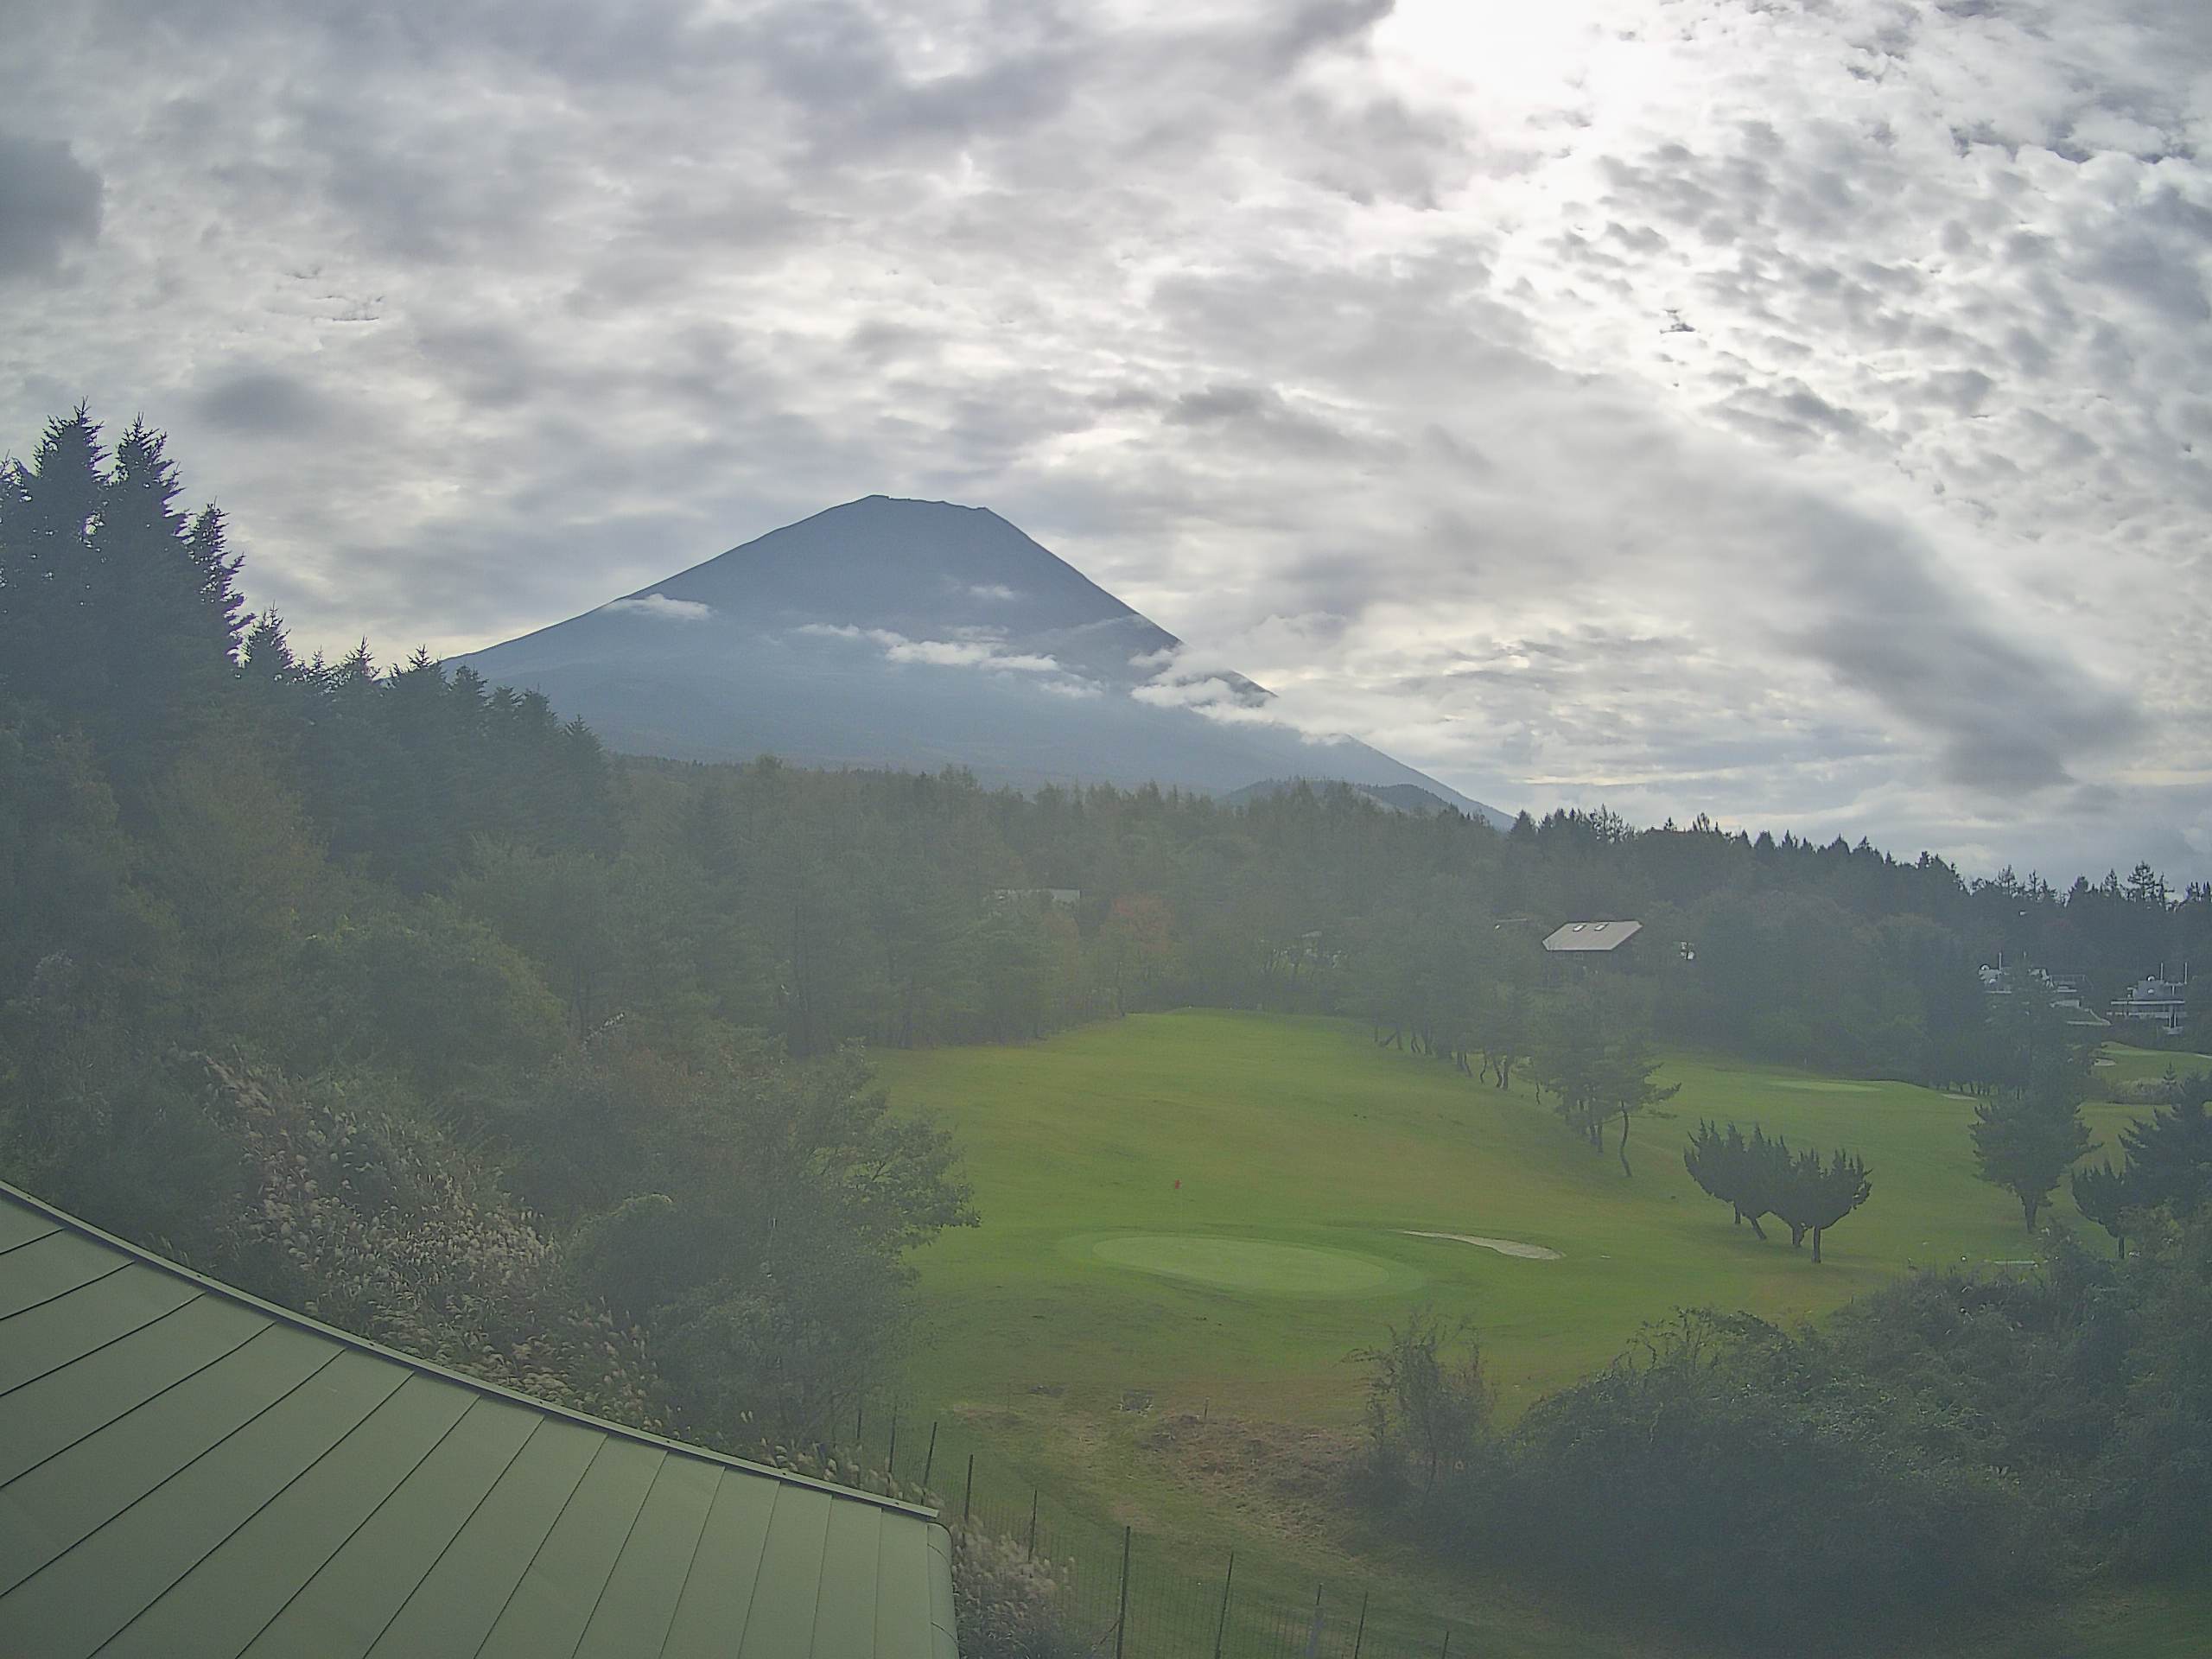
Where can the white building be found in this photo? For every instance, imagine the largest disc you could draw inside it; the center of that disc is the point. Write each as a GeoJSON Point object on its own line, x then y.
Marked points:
{"type": "Point", "coordinates": [2155, 1002]}
{"type": "Point", "coordinates": [1588, 937]}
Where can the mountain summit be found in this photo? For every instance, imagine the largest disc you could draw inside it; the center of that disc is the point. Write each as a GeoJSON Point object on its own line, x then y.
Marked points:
{"type": "Point", "coordinates": [917, 635]}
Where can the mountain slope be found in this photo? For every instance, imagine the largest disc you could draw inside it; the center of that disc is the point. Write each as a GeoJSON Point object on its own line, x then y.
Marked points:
{"type": "Point", "coordinates": [917, 635]}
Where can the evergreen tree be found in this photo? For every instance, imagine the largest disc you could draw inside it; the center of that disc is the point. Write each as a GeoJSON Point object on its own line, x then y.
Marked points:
{"type": "Point", "coordinates": [2024, 1142]}
{"type": "Point", "coordinates": [1708, 1159]}
{"type": "Point", "coordinates": [49, 577]}
{"type": "Point", "coordinates": [1503, 1027]}
{"type": "Point", "coordinates": [1628, 1082]}
{"type": "Point", "coordinates": [115, 610]}
{"type": "Point", "coordinates": [1569, 1063]}
{"type": "Point", "coordinates": [2169, 1156]}
{"type": "Point", "coordinates": [2106, 1195]}
{"type": "Point", "coordinates": [1758, 1186]}
{"type": "Point", "coordinates": [1815, 1194]}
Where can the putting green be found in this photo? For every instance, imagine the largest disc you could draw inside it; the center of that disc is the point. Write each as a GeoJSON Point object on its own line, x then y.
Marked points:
{"type": "Point", "coordinates": [1247, 1264]}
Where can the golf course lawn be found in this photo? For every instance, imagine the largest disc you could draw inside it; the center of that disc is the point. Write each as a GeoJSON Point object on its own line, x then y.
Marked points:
{"type": "Point", "coordinates": [2127, 1064]}
{"type": "Point", "coordinates": [1308, 1159]}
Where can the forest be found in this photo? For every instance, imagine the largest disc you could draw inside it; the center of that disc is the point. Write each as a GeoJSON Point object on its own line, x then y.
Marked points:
{"type": "Point", "coordinates": [393, 996]}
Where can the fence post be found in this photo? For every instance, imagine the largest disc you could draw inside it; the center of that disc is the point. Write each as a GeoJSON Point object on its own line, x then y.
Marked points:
{"type": "Point", "coordinates": [860, 1417]}
{"type": "Point", "coordinates": [1122, 1610]}
{"type": "Point", "coordinates": [1359, 1635]}
{"type": "Point", "coordinates": [929, 1461]}
{"type": "Point", "coordinates": [1033, 1521]}
{"type": "Point", "coordinates": [1228, 1582]}
{"type": "Point", "coordinates": [968, 1503]}
{"type": "Point", "coordinates": [1313, 1630]}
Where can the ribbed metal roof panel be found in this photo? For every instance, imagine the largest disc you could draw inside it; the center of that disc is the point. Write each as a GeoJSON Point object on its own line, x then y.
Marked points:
{"type": "Point", "coordinates": [188, 1472]}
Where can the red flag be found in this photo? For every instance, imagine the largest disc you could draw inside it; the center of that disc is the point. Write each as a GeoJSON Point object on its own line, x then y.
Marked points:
{"type": "Point", "coordinates": [1179, 1186]}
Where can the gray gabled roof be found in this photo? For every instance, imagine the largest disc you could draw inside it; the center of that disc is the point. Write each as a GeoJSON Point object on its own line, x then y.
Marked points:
{"type": "Point", "coordinates": [1592, 936]}
{"type": "Point", "coordinates": [189, 1472]}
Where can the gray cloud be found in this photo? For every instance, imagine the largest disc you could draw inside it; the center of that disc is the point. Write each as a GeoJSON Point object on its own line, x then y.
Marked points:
{"type": "Point", "coordinates": [265, 404]}
{"type": "Point", "coordinates": [49, 201]}
{"type": "Point", "coordinates": [2010, 719]}
{"type": "Point", "coordinates": [1341, 338]}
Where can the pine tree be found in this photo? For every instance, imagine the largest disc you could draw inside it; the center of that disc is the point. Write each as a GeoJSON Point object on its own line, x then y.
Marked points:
{"type": "Point", "coordinates": [1707, 1158]}
{"type": "Point", "coordinates": [1751, 1177]}
{"type": "Point", "coordinates": [47, 596]}
{"type": "Point", "coordinates": [2025, 1143]}
{"type": "Point", "coordinates": [118, 613]}
{"type": "Point", "coordinates": [1758, 1189]}
{"type": "Point", "coordinates": [265, 659]}
{"type": "Point", "coordinates": [2170, 1154]}
{"type": "Point", "coordinates": [1815, 1193]}
{"type": "Point", "coordinates": [2106, 1196]}
{"type": "Point", "coordinates": [1627, 1083]}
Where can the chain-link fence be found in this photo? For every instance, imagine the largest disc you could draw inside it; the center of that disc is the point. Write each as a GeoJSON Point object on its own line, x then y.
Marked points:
{"type": "Point", "coordinates": [1123, 1593]}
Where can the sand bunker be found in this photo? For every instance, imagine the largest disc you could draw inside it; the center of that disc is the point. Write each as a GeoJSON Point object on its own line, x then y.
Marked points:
{"type": "Point", "coordinates": [1502, 1246]}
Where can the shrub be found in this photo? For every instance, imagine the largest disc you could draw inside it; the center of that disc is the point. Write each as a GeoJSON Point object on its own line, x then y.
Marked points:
{"type": "Point", "coordinates": [1428, 1410]}
{"type": "Point", "coordinates": [376, 1223]}
{"type": "Point", "coordinates": [1005, 1600]}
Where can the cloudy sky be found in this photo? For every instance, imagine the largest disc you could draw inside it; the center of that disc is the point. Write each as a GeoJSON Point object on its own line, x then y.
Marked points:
{"type": "Point", "coordinates": [1793, 409]}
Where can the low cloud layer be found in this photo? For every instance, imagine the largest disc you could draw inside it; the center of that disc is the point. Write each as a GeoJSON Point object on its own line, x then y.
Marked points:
{"type": "Point", "coordinates": [1796, 413]}
{"type": "Point", "coordinates": [661, 605]}
{"type": "Point", "coordinates": [980, 651]}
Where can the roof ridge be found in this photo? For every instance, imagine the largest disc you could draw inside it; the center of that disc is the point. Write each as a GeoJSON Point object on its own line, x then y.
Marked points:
{"type": "Point", "coordinates": [63, 1219]}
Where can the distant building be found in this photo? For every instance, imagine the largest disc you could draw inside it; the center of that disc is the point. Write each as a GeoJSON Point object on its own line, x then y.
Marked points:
{"type": "Point", "coordinates": [2154, 1001]}
{"type": "Point", "coordinates": [1591, 938]}
{"type": "Point", "coordinates": [1064, 898]}
{"type": "Point", "coordinates": [2066, 991]}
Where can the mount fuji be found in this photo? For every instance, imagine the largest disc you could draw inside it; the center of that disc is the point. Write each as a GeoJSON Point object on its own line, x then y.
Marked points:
{"type": "Point", "coordinates": [915, 635]}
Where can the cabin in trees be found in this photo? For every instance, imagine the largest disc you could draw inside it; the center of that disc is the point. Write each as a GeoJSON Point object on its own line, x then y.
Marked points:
{"type": "Point", "coordinates": [1591, 939]}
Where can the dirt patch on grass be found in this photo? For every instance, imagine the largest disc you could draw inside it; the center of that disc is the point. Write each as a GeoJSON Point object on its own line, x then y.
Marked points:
{"type": "Point", "coordinates": [1285, 1479]}
{"type": "Point", "coordinates": [1512, 1247]}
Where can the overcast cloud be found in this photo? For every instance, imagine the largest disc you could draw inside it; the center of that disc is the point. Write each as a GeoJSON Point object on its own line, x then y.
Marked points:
{"type": "Point", "coordinates": [1799, 413]}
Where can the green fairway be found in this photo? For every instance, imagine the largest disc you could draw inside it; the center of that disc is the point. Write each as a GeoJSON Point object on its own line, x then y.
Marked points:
{"type": "Point", "coordinates": [1264, 1269]}
{"type": "Point", "coordinates": [2122, 1063]}
{"type": "Point", "coordinates": [1308, 1156]}
{"type": "Point", "coordinates": [1309, 1159]}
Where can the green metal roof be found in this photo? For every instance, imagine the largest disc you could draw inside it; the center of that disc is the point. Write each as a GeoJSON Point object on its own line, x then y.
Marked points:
{"type": "Point", "coordinates": [187, 1471]}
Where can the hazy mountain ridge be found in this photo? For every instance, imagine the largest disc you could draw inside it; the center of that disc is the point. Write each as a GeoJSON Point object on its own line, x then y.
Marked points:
{"type": "Point", "coordinates": [918, 634]}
